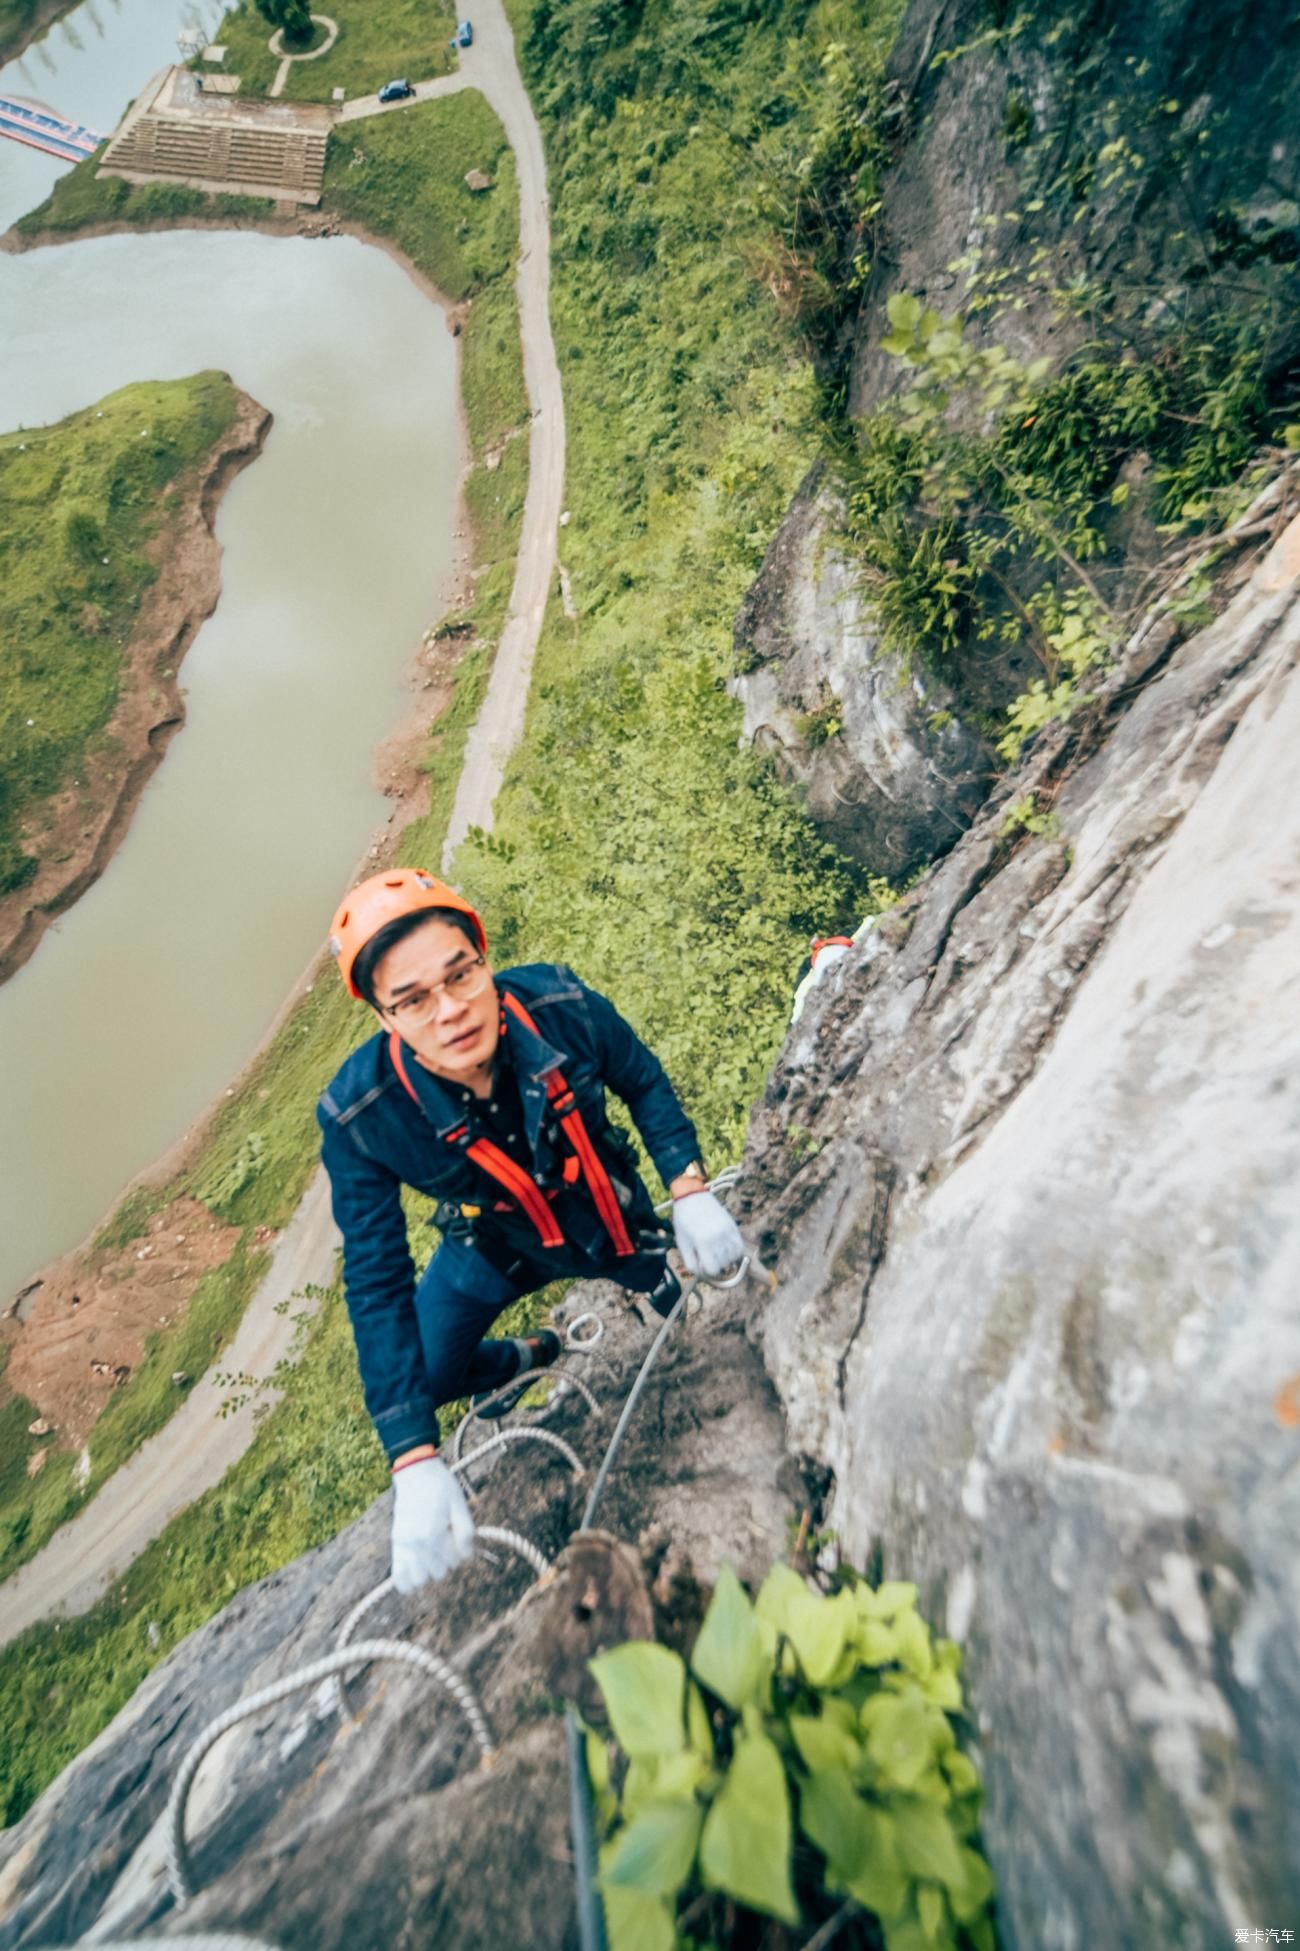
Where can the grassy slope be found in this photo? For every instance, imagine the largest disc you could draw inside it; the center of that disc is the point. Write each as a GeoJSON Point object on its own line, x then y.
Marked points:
{"type": "Point", "coordinates": [690, 882]}
{"type": "Point", "coordinates": [79, 503]}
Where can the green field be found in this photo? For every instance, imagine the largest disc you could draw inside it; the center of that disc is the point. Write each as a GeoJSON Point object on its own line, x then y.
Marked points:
{"type": "Point", "coordinates": [378, 41]}
{"type": "Point", "coordinates": [80, 503]}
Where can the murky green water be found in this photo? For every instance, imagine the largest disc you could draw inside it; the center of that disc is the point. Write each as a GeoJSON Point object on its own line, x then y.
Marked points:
{"type": "Point", "coordinates": [143, 1002]}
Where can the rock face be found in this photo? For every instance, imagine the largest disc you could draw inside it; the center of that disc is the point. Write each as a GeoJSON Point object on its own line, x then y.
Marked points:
{"type": "Point", "coordinates": [379, 1830]}
{"type": "Point", "coordinates": [1027, 1174]}
{"type": "Point", "coordinates": [1148, 157]}
{"type": "Point", "coordinates": [1006, 151]}
{"type": "Point", "coordinates": [886, 767]}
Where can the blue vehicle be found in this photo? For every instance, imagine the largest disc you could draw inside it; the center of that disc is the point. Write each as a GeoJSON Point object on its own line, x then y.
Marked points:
{"type": "Point", "coordinates": [465, 34]}
{"type": "Point", "coordinates": [395, 91]}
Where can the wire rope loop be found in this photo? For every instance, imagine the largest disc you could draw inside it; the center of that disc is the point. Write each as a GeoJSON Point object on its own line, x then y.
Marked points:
{"type": "Point", "coordinates": [563, 1381]}
{"type": "Point", "coordinates": [200, 1941]}
{"type": "Point", "coordinates": [493, 1534]}
{"type": "Point", "coordinates": [584, 1341]}
{"type": "Point", "coordinates": [504, 1437]}
{"type": "Point", "coordinates": [365, 1652]}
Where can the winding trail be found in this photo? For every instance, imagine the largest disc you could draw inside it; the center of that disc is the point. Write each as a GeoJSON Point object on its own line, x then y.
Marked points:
{"type": "Point", "coordinates": [193, 1451]}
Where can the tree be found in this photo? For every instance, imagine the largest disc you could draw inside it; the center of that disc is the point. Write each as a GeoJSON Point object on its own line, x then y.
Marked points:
{"type": "Point", "coordinates": [293, 17]}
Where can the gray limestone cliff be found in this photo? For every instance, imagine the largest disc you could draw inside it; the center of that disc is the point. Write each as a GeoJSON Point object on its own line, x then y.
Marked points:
{"type": "Point", "coordinates": [1027, 1173]}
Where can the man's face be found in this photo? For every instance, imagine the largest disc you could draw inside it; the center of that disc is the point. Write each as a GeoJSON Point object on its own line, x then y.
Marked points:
{"type": "Point", "coordinates": [420, 988]}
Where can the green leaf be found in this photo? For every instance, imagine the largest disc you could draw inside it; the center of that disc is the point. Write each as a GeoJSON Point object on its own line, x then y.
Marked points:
{"type": "Point", "coordinates": [907, 1935]}
{"type": "Point", "coordinates": [834, 1816]}
{"type": "Point", "coordinates": [597, 1762]}
{"type": "Point", "coordinates": [654, 1852]}
{"type": "Point", "coordinates": [678, 1776]}
{"type": "Point", "coordinates": [877, 1642]}
{"type": "Point", "coordinates": [914, 1644]}
{"type": "Point", "coordinates": [816, 1627]}
{"type": "Point", "coordinates": [636, 1922]}
{"type": "Point", "coordinates": [882, 1883]}
{"type": "Point", "coordinates": [904, 310]}
{"type": "Point", "coordinates": [969, 1895]}
{"type": "Point", "coordinates": [960, 1770]}
{"type": "Point", "coordinates": [897, 344]}
{"type": "Point", "coordinates": [899, 1737]}
{"type": "Point", "coordinates": [929, 1905]}
{"type": "Point", "coordinates": [698, 1731]}
{"type": "Point", "coordinates": [644, 1689]}
{"type": "Point", "coordinates": [822, 1744]}
{"type": "Point", "coordinates": [729, 1656]}
{"type": "Point", "coordinates": [926, 1842]}
{"type": "Point", "coordinates": [884, 1601]}
{"type": "Point", "coordinates": [944, 1689]}
{"type": "Point", "coordinates": [745, 1848]}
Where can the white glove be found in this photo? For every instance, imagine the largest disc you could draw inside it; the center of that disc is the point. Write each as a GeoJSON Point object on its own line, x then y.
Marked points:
{"type": "Point", "coordinates": [708, 1238]}
{"type": "Point", "coordinates": [433, 1531]}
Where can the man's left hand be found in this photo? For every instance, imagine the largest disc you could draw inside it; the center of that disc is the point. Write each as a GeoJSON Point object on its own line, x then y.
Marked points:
{"type": "Point", "coordinates": [708, 1238]}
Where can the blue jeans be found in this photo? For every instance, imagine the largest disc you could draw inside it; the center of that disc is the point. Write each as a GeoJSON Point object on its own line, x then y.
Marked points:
{"type": "Point", "coordinates": [461, 1294]}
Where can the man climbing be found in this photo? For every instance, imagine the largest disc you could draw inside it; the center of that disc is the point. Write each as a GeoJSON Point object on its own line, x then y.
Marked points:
{"type": "Point", "coordinates": [486, 1091]}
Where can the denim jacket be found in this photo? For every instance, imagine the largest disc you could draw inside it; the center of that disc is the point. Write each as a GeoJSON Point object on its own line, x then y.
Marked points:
{"type": "Point", "coordinates": [375, 1140]}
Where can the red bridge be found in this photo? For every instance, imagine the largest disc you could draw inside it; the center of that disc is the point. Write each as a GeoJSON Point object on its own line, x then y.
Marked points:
{"type": "Point", "coordinates": [40, 128]}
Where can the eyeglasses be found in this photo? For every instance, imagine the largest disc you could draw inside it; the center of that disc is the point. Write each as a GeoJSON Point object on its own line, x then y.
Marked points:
{"type": "Point", "coordinates": [421, 1006]}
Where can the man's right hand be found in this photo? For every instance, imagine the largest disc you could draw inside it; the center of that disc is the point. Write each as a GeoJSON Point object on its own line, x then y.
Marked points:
{"type": "Point", "coordinates": [433, 1531]}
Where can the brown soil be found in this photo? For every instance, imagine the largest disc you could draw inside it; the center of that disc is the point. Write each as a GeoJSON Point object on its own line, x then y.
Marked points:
{"type": "Point", "coordinates": [75, 833]}
{"type": "Point", "coordinates": [91, 1314]}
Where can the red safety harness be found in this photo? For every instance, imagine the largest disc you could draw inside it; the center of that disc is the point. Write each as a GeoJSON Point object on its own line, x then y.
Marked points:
{"type": "Point", "coordinates": [584, 1162]}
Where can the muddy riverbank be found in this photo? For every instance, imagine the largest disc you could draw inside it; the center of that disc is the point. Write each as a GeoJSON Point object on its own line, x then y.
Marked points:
{"type": "Point", "coordinates": [76, 833]}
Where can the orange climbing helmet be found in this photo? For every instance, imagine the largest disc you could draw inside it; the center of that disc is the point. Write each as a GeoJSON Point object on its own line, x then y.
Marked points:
{"type": "Point", "coordinates": [383, 898]}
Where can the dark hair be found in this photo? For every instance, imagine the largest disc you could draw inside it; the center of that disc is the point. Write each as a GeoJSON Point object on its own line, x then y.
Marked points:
{"type": "Point", "coordinates": [393, 932]}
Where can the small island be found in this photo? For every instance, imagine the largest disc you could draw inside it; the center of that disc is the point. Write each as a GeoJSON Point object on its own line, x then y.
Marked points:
{"type": "Point", "coordinates": [110, 564]}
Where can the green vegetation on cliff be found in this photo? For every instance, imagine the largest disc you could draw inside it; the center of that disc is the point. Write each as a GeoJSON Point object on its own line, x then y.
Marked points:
{"type": "Point", "coordinates": [84, 511]}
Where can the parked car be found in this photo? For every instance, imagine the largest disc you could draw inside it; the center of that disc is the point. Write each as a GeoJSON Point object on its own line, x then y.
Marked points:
{"type": "Point", "coordinates": [396, 91]}
{"type": "Point", "coordinates": [465, 34]}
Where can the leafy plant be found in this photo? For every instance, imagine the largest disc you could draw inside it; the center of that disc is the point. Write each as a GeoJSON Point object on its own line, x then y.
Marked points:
{"type": "Point", "coordinates": [806, 1756]}
{"type": "Point", "coordinates": [1024, 817]}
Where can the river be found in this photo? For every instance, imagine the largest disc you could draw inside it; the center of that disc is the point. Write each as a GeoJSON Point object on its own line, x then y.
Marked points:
{"type": "Point", "coordinates": [148, 997]}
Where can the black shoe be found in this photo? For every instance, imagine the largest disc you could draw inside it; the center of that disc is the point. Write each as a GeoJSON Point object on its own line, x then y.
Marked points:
{"type": "Point", "coordinates": [544, 1348]}
{"type": "Point", "coordinates": [664, 1298]}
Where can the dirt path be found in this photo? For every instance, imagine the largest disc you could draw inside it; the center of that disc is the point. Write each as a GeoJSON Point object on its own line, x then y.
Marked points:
{"type": "Point", "coordinates": [196, 1448]}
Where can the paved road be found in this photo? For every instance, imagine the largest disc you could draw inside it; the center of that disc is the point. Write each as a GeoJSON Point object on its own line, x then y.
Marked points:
{"type": "Point", "coordinates": [196, 1448]}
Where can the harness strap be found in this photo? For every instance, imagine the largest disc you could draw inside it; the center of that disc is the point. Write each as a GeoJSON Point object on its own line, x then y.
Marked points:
{"type": "Point", "coordinates": [522, 1188]}
{"type": "Point", "coordinates": [525, 1191]}
{"type": "Point", "coordinates": [589, 1161]}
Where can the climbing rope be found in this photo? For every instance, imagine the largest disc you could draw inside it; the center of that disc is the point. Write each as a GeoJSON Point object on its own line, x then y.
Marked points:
{"type": "Point", "coordinates": [366, 1651]}
{"type": "Point", "coordinates": [344, 1656]}
{"type": "Point", "coordinates": [348, 1655]}
{"type": "Point", "coordinates": [201, 1941]}
{"type": "Point", "coordinates": [565, 1384]}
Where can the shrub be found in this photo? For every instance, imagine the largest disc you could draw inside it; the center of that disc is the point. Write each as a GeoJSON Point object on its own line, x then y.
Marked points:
{"type": "Point", "coordinates": [806, 1756]}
